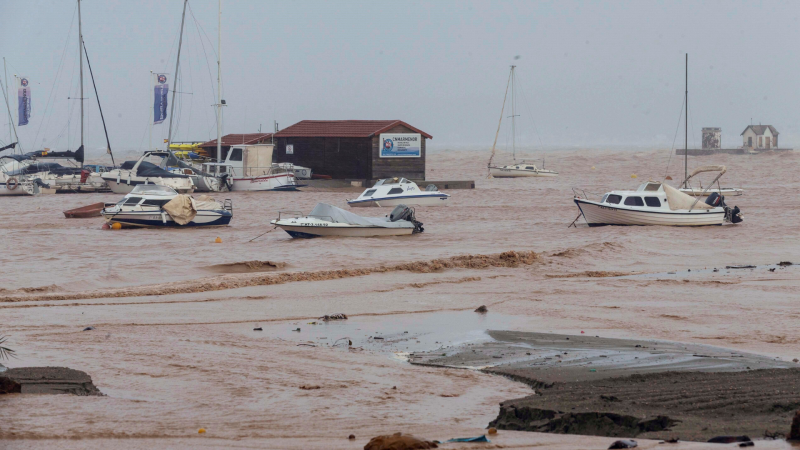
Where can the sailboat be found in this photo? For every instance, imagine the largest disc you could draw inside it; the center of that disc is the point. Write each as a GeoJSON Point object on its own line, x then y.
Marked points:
{"type": "Point", "coordinates": [517, 169]}
{"type": "Point", "coordinates": [51, 177]}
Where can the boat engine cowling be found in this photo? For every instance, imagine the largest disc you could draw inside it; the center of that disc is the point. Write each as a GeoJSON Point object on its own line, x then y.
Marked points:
{"type": "Point", "coordinates": [403, 212]}
{"type": "Point", "coordinates": [715, 199]}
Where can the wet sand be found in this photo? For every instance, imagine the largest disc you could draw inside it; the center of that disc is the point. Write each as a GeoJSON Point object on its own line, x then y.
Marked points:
{"type": "Point", "coordinates": [170, 364]}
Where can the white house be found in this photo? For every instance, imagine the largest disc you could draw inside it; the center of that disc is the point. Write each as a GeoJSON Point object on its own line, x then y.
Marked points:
{"type": "Point", "coordinates": [760, 136]}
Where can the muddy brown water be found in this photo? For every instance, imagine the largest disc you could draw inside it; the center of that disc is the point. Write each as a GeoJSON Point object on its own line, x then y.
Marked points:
{"type": "Point", "coordinates": [173, 363]}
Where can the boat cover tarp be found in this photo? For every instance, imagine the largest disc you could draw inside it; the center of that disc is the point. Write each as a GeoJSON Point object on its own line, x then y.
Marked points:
{"type": "Point", "coordinates": [678, 200]}
{"type": "Point", "coordinates": [204, 202]}
{"type": "Point", "coordinates": [329, 212]}
{"type": "Point", "coordinates": [150, 170]}
{"type": "Point", "coordinates": [181, 209]}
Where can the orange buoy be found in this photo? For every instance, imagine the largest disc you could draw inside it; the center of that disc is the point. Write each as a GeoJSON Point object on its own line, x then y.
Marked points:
{"type": "Point", "coordinates": [201, 431]}
{"type": "Point", "coordinates": [116, 226]}
{"type": "Point", "coordinates": [218, 240]}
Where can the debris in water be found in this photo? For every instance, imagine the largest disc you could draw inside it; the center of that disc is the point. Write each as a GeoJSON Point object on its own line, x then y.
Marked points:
{"type": "Point", "coordinates": [351, 437]}
{"type": "Point", "coordinates": [785, 263]}
{"type": "Point", "coordinates": [338, 316]}
{"type": "Point", "coordinates": [747, 444]}
{"type": "Point", "coordinates": [744, 266]}
{"type": "Point", "coordinates": [88, 329]}
{"type": "Point", "coordinates": [298, 329]}
{"type": "Point", "coordinates": [482, 309]}
{"type": "Point", "coordinates": [671, 441]}
{"type": "Point", "coordinates": [398, 441]}
{"type": "Point", "coordinates": [258, 329]}
{"type": "Point", "coordinates": [310, 388]}
{"type": "Point", "coordinates": [624, 443]}
{"type": "Point", "coordinates": [481, 438]}
{"type": "Point", "coordinates": [772, 269]}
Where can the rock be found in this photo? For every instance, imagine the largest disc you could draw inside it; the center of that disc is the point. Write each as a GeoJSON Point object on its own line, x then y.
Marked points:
{"type": "Point", "coordinates": [47, 380]}
{"type": "Point", "coordinates": [482, 309]}
{"type": "Point", "coordinates": [88, 329]}
{"type": "Point", "coordinates": [729, 439]}
{"type": "Point", "coordinates": [794, 432]}
{"type": "Point", "coordinates": [747, 444]}
{"type": "Point", "coordinates": [624, 443]}
{"type": "Point", "coordinates": [398, 441]}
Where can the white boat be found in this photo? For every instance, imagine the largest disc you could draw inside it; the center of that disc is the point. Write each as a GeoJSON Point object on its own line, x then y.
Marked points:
{"type": "Point", "coordinates": [655, 203]}
{"type": "Point", "coordinates": [300, 172]}
{"type": "Point", "coordinates": [394, 191]}
{"type": "Point", "coordinates": [327, 220]}
{"type": "Point", "coordinates": [250, 168]}
{"type": "Point", "coordinates": [520, 169]}
{"type": "Point", "coordinates": [150, 205]}
{"type": "Point", "coordinates": [705, 192]}
{"type": "Point", "coordinates": [140, 172]}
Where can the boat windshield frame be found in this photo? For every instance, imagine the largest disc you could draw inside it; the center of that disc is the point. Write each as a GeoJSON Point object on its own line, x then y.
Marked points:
{"type": "Point", "coordinates": [153, 189]}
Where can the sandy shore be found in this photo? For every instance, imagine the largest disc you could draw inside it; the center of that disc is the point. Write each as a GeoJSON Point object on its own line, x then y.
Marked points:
{"type": "Point", "coordinates": [174, 360]}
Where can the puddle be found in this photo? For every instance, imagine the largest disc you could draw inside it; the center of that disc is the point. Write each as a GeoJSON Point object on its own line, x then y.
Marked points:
{"type": "Point", "coordinates": [397, 335]}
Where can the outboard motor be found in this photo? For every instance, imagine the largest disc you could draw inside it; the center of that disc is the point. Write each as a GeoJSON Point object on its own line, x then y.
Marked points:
{"type": "Point", "coordinates": [714, 199]}
{"type": "Point", "coordinates": [733, 215]}
{"type": "Point", "coordinates": [432, 188]}
{"type": "Point", "coordinates": [403, 212]}
{"type": "Point", "coordinates": [40, 183]}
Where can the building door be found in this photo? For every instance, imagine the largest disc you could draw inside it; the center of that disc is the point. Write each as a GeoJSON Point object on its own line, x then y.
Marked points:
{"type": "Point", "coordinates": [768, 141]}
{"type": "Point", "coordinates": [761, 142]}
{"type": "Point", "coordinates": [750, 141]}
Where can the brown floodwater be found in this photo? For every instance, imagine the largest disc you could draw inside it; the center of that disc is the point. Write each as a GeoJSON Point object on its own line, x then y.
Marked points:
{"type": "Point", "coordinates": [174, 363]}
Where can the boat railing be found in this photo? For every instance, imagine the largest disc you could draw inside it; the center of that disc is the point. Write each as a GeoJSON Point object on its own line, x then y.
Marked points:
{"type": "Point", "coordinates": [581, 193]}
{"type": "Point", "coordinates": [228, 205]}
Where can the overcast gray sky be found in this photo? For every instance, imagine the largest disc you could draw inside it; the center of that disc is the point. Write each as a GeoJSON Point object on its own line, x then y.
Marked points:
{"type": "Point", "coordinates": [600, 74]}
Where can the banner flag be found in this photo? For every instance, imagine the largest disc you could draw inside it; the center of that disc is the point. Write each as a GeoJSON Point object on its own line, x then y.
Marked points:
{"type": "Point", "coordinates": [24, 100]}
{"type": "Point", "coordinates": [160, 103]}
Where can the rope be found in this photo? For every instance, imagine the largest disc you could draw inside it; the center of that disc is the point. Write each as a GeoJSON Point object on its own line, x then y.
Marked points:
{"type": "Point", "coordinates": [262, 234]}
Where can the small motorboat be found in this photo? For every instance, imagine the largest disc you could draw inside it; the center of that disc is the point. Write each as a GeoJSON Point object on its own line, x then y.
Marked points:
{"type": "Point", "coordinates": [328, 220]}
{"type": "Point", "coordinates": [655, 203]}
{"type": "Point", "coordinates": [520, 170]}
{"type": "Point", "coordinates": [300, 172]}
{"type": "Point", "coordinates": [394, 191]}
{"type": "Point", "coordinates": [88, 211]}
{"type": "Point", "coordinates": [141, 172]}
{"type": "Point", "coordinates": [151, 205]}
{"type": "Point", "coordinates": [705, 192]}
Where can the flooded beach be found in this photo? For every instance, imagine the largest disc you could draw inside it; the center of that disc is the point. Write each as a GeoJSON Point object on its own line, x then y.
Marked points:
{"type": "Point", "coordinates": [174, 346]}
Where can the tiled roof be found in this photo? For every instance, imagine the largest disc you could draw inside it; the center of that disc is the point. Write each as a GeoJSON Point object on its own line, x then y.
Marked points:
{"type": "Point", "coordinates": [760, 129]}
{"type": "Point", "coordinates": [238, 139]}
{"type": "Point", "coordinates": [343, 128]}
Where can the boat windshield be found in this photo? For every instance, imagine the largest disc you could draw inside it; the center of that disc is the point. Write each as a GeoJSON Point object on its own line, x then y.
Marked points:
{"type": "Point", "coordinates": [153, 189]}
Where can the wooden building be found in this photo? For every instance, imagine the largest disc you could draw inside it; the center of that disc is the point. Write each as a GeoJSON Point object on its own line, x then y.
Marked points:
{"type": "Point", "coordinates": [760, 137]}
{"type": "Point", "coordinates": [210, 147]}
{"type": "Point", "coordinates": [354, 149]}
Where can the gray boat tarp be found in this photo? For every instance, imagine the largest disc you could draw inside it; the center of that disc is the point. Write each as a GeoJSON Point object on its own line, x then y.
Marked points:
{"type": "Point", "coordinates": [328, 212]}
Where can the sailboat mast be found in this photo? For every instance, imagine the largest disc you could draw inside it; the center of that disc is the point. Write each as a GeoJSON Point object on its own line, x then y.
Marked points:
{"type": "Point", "coordinates": [80, 59]}
{"type": "Point", "coordinates": [11, 125]}
{"type": "Point", "coordinates": [686, 129]}
{"type": "Point", "coordinates": [498, 123]}
{"type": "Point", "coordinates": [175, 89]}
{"type": "Point", "coordinates": [219, 84]}
{"type": "Point", "coordinates": [513, 114]}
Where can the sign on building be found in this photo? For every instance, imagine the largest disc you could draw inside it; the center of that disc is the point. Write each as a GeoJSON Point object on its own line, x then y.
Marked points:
{"type": "Point", "coordinates": [401, 145]}
{"type": "Point", "coordinates": [712, 137]}
{"type": "Point", "coordinates": [290, 149]}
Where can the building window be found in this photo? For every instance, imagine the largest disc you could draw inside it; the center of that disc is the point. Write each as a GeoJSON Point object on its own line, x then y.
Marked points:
{"type": "Point", "coordinates": [634, 201]}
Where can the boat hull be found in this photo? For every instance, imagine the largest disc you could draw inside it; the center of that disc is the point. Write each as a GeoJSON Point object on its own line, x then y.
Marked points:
{"type": "Point", "coordinates": [18, 191]}
{"type": "Point", "coordinates": [307, 232]}
{"type": "Point", "coordinates": [85, 212]}
{"type": "Point", "coordinates": [412, 200]}
{"type": "Point", "coordinates": [500, 172]}
{"type": "Point", "coordinates": [280, 182]}
{"type": "Point", "coordinates": [599, 215]}
{"type": "Point", "coordinates": [204, 218]}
